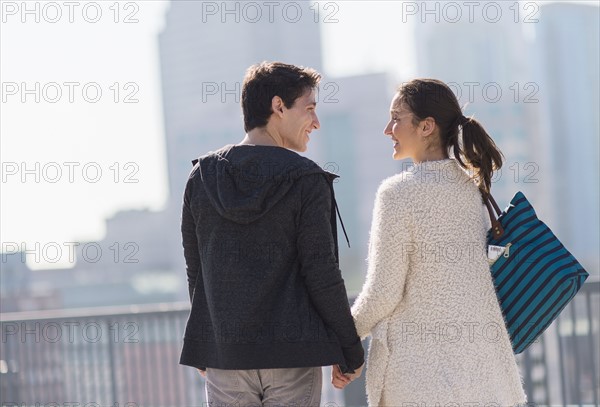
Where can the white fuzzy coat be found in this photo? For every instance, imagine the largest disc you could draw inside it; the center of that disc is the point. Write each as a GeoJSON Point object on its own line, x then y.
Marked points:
{"type": "Point", "coordinates": [438, 335]}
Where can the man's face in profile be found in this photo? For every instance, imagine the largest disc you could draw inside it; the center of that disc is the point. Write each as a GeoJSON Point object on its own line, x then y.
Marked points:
{"type": "Point", "coordinates": [299, 121]}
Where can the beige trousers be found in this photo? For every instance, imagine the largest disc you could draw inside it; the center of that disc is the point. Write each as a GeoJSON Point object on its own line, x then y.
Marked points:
{"type": "Point", "coordinates": [291, 387]}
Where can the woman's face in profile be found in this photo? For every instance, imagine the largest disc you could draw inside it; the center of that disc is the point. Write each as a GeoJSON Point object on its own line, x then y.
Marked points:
{"type": "Point", "coordinates": [402, 131]}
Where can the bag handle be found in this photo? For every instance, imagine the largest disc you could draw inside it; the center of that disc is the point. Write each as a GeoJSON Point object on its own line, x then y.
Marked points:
{"type": "Point", "coordinates": [489, 201]}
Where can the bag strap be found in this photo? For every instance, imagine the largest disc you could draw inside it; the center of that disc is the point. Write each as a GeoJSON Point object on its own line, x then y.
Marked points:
{"type": "Point", "coordinates": [489, 201]}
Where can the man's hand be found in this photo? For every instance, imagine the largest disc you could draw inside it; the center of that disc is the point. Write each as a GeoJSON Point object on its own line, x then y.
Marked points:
{"type": "Point", "coordinates": [340, 380]}
{"type": "Point", "coordinates": [202, 373]}
{"type": "Point", "coordinates": [357, 373]}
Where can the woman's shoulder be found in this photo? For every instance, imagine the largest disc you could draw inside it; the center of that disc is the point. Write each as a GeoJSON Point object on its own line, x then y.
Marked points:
{"type": "Point", "coordinates": [403, 183]}
{"type": "Point", "coordinates": [417, 185]}
{"type": "Point", "coordinates": [397, 187]}
{"type": "Point", "coordinates": [429, 176]}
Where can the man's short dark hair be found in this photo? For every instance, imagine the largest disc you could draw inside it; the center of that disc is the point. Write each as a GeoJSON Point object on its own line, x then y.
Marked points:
{"type": "Point", "coordinates": [268, 79]}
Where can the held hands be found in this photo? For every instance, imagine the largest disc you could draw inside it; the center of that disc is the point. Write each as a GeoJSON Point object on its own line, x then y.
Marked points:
{"type": "Point", "coordinates": [340, 380]}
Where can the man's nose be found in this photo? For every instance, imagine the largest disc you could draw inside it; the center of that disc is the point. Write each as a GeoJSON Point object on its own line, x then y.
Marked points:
{"type": "Point", "coordinates": [316, 123]}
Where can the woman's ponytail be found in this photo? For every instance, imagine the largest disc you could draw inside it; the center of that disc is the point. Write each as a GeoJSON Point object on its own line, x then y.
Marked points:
{"type": "Point", "coordinates": [481, 154]}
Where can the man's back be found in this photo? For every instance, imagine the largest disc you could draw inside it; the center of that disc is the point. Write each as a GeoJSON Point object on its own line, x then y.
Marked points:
{"type": "Point", "coordinates": [267, 283]}
{"type": "Point", "coordinates": [269, 306]}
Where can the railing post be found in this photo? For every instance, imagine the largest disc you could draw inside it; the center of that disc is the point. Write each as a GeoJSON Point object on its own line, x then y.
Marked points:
{"type": "Point", "coordinates": [527, 371]}
{"type": "Point", "coordinates": [590, 335]}
{"type": "Point", "coordinates": [111, 357]}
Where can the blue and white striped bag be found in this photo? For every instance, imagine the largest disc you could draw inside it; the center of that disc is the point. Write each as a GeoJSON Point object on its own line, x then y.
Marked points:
{"type": "Point", "coordinates": [534, 274]}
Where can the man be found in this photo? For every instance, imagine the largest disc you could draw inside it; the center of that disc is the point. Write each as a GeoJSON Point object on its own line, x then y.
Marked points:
{"type": "Point", "coordinates": [269, 306]}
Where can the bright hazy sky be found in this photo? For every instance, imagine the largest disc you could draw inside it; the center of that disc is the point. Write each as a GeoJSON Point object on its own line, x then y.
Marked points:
{"type": "Point", "coordinates": [123, 140]}
{"type": "Point", "coordinates": [104, 133]}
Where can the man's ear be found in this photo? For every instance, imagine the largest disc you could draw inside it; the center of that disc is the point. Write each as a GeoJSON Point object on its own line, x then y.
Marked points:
{"type": "Point", "coordinates": [277, 106]}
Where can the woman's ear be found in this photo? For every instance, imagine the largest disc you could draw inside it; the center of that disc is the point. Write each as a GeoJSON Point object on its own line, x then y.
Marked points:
{"type": "Point", "coordinates": [427, 126]}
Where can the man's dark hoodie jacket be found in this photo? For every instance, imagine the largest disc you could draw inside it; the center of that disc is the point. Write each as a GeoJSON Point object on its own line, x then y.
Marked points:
{"type": "Point", "coordinates": [260, 244]}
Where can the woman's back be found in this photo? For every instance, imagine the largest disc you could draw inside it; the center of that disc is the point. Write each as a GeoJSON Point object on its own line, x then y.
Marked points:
{"type": "Point", "coordinates": [444, 340]}
{"type": "Point", "coordinates": [438, 334]}
{"type": "Point", "coordinates": [447, 246]}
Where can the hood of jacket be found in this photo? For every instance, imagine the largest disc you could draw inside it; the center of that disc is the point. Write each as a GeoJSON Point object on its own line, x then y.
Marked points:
{"type": "Point", "coordinates": [243, 182]}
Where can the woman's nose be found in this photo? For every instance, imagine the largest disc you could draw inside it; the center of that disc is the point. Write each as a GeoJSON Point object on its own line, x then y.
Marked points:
{"type": "Point", "coordinates": [388, 129]}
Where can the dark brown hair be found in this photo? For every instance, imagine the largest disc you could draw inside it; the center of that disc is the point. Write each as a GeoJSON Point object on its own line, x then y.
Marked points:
{"type": "Point", "coordinates": [475, 150]}
{"type": "Point", "coordinates": [269, 79]}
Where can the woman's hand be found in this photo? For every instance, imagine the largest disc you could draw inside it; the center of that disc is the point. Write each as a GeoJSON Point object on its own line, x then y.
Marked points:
{"type": "Point", "coordinates": [357, 373]}
{"type": "Point", "coordinates": [340, 380]}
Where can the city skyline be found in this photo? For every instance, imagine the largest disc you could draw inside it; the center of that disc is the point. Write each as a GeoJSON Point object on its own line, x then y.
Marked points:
{"type": "Point", "coordinates": [111, 166]}
{"type": "Point", "coordinates": [149, 162]}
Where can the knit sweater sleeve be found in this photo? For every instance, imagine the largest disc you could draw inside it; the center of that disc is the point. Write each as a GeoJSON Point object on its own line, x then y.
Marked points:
{"type": "Point", "coordinates": [387, 264]}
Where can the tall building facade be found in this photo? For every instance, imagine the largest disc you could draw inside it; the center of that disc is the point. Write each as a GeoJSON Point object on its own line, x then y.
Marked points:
{"type": "Point", "coordinates": [204, 53]}
{"type": "Point", "coordinates": [568, 53]}
{"type": "Point", "coordinates": [485, 62]}
{"type": "Point", "coordinates": [205, 50]}
{"type": "Point", "coordinates": [533, 83]}
{"type": "Point", "coordinates": [353, 112]}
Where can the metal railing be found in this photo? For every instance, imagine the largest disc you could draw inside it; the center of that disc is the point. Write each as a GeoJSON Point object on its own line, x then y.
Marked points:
{"type": "Point", "coordinates": [562, 367]}
{"type": "Point", "coordinates": [112, 357]}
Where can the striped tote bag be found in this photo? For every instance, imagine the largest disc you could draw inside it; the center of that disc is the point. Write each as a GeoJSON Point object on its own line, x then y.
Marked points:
{"type": "Point", "coordinates": [534, 274]}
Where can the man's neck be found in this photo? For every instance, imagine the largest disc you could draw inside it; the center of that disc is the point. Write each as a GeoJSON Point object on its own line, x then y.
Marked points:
{"type": "Point", "coordinates": [262, 136]}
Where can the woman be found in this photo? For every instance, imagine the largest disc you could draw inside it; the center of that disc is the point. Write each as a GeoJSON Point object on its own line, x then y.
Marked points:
{"type": "Point", "coordinates": [438, 335]}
